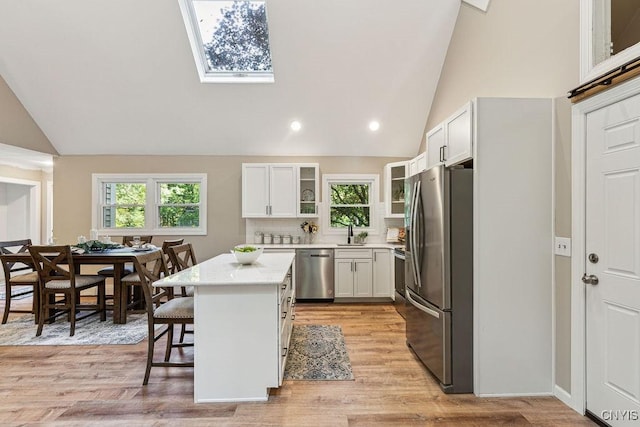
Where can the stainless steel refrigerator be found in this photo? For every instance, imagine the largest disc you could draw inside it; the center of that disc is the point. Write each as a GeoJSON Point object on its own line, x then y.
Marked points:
{"type": "Point", "coordinates": [439, 273]}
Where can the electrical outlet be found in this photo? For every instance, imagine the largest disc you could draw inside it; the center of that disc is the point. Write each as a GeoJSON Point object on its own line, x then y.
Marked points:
{"type": "Point", "coordinates": [563, 246]}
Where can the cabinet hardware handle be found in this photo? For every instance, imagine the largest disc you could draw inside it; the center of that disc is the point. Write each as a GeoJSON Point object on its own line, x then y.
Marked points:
{"type": "Point", "coordinates": [288, 300]}
{"type": "Point", "coordinates": [284, 286]}
{"type": "Point", "coordinates": [355, 267]}
{"type": "Point", "coordinates": [266, 210]}
{"type": "Point", "coordinates": [293, 317]}
{"type": "Point", "coordinates": [284, 314]}
{"type": "Point", "coordinates": [285, 349]}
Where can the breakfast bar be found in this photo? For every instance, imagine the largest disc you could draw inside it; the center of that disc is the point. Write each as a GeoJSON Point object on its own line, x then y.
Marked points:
{"type": "Point", "coordinates": [243, 317]}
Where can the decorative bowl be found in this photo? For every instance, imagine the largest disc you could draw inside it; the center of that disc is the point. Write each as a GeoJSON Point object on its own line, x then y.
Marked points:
{"type": "Point", "coordinates": [246, 254]}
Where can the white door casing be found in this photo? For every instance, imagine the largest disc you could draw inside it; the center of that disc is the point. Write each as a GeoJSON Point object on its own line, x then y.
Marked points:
{"type": "Point", "coordinates": [613, 235]}
{"type": "Point", "coordinates": [605, 339]}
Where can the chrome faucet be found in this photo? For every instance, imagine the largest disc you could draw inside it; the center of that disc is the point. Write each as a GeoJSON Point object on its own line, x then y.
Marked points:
{"type": "Point", "coordinates": [349, 233]}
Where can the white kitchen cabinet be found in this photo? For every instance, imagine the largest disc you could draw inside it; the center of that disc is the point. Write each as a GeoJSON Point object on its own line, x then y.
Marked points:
{"type": "Point", "coordinates": [418, 164]}
{"type": "Point", "coordinates": [269, 190]}
{"type": "Point", "coordinates": [382, 273]}
{"type": "Point", "coordinates": [435, 146]}
{"type": "Point", "coordinates": [353, 273]}
{"type": "Point", "coordinates": [459, 136]}
{"type": "Point", "coordinates": [308, 190]}
{"type": "Point", "coordinates": [451, 142]}
{"type": "Point", "coordinates": [394, 176]}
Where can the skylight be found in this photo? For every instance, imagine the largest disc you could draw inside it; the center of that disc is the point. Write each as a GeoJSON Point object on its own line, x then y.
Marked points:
{"type": "Point", "coordinates": [229, 40]}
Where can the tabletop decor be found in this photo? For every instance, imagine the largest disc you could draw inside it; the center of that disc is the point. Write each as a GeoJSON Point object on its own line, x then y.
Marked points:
{"type": "Point", "coordinates": [246, 254]}
{"type": "Point", "coordinates": [310, 229]}
{"type": "Point", "coordinates": [97, 246]}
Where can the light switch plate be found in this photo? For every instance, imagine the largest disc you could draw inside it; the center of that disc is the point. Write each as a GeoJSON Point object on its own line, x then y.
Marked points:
{"type": "Point", "coordinates": [563, 246]}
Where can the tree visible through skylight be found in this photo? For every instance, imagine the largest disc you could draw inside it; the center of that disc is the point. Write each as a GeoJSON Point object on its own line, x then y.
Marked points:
{"type": "Point", "coordinates": [234, 34]}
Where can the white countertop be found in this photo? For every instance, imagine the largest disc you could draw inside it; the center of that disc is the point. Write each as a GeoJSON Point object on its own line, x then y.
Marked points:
{"type": "Point", "coordinates": [270, 268]}
{"type": "Point", "coordinates": [329, 246]}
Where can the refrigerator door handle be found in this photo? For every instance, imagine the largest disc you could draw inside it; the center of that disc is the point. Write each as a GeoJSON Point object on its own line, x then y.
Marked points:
{"type": "Point", "coordinates": [421, 307]}
{"type": "Point", "coordinates": [414, 232]}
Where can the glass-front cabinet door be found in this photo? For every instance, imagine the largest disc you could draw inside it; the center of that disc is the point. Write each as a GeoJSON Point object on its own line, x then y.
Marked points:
{"type": "Point", "coordinates": [395, 173]}
{"type": "Point", "coordinates": [308, 190]}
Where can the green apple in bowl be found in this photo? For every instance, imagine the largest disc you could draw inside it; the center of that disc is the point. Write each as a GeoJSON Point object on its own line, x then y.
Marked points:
{"type": "Point", "coordinates": [246, 254]}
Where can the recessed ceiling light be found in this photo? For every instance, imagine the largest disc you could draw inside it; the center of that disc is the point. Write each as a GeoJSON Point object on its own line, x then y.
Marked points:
{"type": "Point", "coordinates": [296, 126]}
{"type": "Point", "coordinates": [374, 125]}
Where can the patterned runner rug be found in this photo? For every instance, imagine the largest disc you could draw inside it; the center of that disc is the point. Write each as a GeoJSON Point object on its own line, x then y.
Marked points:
{"type": "Point", "coordinates": [15, 291]}
{"type": "Point", "coordinates": [317, 352]}
{"type": "Point", "coordinates": [89, 331]}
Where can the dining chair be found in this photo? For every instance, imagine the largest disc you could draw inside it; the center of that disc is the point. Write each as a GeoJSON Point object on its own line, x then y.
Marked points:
{"type": "Point", "coordinates": [162, 309]}
{"type": "Point", "coordinates": [19, 275]}
{"type": "Point", "coordinates": [183, 257]}
{"type": "Point", "coordinates": [165, 245]}
{"type": "Point", "coordinates": [57, 275]}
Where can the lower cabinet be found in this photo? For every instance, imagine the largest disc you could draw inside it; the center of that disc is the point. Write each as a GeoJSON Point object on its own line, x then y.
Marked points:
{"type": "Point", "coordinates": [383, 273]}
{"type": "Point", "coordinates": [287, 314]}
{"type": "Point", "coordinates": [363, 273]}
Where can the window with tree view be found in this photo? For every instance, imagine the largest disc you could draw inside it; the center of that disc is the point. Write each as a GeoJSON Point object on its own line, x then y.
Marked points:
{"type": "Point", "coordinates": [161, 204]}
{"type": "Point", "coordinates": [230, 39]}
{"type": "Point", "coordinates": [350, 204]}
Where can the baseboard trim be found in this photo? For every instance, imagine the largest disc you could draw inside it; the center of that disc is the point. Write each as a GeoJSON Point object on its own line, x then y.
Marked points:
{"type": "Point", "coordinates": [563, 396]}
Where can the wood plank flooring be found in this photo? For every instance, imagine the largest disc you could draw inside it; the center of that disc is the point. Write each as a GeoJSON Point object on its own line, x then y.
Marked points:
{"type": "Point", "coordinates": [102, 385]}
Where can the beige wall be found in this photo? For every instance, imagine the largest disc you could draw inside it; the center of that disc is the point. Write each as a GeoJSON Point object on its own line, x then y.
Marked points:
{"type": "Point", "coordinates": [226, 228]}
{"type": "Point", "coordinates": [521, 48]}
{"type": "Point", "coordinates": [16, 125]}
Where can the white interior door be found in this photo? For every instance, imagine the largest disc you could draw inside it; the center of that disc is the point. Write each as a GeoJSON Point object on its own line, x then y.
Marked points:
{"type": "Point", "coordinates": [613, 257]}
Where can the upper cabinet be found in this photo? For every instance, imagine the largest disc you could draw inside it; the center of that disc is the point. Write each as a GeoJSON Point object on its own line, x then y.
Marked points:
{"type": "Point", "coordinates": [435, 146]}
{"type": "Point", "coordinates": [279, 190]}
{"type": "Point", "coordinates": [451, 142]}
{"type": "Point", "coordinates": [269, 190]}
{"type": "Point", "coordinates": [459, 137]}
{"type": "Point", "coordinates": [308, 186]}
{"type": "Point", "coordinates": [394, 175]}
{"type": "Point", "coordinates": [418, 164]}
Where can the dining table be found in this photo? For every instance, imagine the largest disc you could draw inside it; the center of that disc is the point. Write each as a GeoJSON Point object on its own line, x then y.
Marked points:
{"type": "Point", "coordinates": [116, 257]}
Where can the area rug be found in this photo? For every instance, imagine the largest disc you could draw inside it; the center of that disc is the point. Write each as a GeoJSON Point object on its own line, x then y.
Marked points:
{"type": "Point", "coordinates": [89, 331]}
{"type": "Point", "coordinates": [15, 290]}
{"type": "Point", "coordinates": [317, 352]}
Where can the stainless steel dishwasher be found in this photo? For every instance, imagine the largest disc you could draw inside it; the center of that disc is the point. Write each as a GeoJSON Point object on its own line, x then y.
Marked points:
{"type": "Point", "coordinates": [314, 274]}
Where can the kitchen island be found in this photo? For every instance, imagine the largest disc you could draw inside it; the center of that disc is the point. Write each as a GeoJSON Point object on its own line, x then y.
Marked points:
{"type": "Point", "coordinates": [243, 317]}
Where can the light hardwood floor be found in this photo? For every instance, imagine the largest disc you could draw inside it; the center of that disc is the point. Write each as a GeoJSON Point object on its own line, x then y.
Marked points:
{"type": "Point", "coordinates": [102, 385]}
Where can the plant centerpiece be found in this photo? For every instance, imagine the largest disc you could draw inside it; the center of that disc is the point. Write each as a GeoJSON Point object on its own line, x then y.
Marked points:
{"type": "Point", "coordinates": [310, 229]}
{"type": "Point", "coordinates": [362, 237]}
{"type": "Point", "coordinates": [96, 246]}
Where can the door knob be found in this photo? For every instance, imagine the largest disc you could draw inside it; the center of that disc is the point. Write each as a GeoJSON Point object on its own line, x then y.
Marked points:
{"type": "Point", "coordinates": [590, 280]}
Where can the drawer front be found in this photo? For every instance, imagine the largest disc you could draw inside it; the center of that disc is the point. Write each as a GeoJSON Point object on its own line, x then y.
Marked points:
{"type": "Point", "coordinates": [353, 253]}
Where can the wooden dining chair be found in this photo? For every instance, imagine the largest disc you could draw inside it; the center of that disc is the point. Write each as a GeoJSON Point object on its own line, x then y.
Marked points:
{"type": "Point", "coordinates": [183, 257]}
{"type": "Point", "coordinates": [57, 276]}
{"type": "Point", "coordinates": [18, 275]}
{"type": "Point", "coordinates": [165, 245]}
{"type": "Point", "coordinates": [162, 309]}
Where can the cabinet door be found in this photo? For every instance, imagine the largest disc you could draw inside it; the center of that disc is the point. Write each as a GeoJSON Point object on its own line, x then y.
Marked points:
{"type": "Point", "coordinates": [382, 273]}
{"type": "Point", "coordinates": [435, 144]}
{"type": "Point", "coordinates": [422, 162]}
{"type": "Point", "coordinates": [363, 278]}
{"type": "Point", "coordinates": [344, 277]}
{"type": "Point", "coordinates": [283, 189]}
{"type": "Point", "coordinates": [308, 190]}
{"type": "Point", "coordinates": [255, 190]}
{"type": "Point", "coordinates": [459, 136]}
{"type": "Point", "coordinates": [394, 175]}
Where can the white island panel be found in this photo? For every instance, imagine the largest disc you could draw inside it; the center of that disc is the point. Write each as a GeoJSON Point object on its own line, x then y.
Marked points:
{"type": "Point", "coordinates": [237, 325]}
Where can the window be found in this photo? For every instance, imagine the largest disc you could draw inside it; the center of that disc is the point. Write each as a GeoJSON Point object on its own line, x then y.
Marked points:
{"type": "Point", "coordinates": [159, 204]}
{"type": "Point", "coordinates": [229, 40]}
{"type": "Point", "coordinates": [350, 200]}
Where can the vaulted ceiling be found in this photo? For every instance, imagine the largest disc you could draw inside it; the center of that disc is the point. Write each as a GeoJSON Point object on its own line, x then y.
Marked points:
{"type": "Point", "coordinates": [118, 77]}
